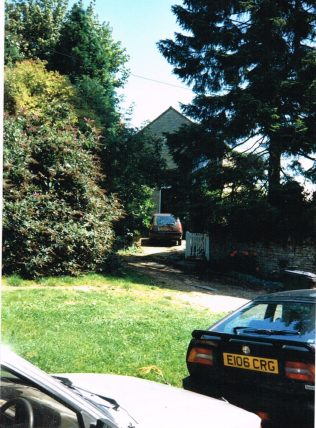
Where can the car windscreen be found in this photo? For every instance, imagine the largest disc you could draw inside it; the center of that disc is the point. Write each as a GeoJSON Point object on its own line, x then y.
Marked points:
{"type": "Point", "coordinates": [22, 401]}
{"type": "Point", "coordinates": [165, 220]}
{"type": "Point", "coordinates": [290, 320]}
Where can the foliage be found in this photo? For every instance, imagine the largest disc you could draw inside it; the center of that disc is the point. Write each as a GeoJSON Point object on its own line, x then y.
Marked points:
{"type": "Point", "coordinates": [221, 191]}
{"type": "Point", "coordinates": [252, 66]}
{"type": "Point", "coordinates": [254, 219]}
{"type": "Point", "coordinates": [34, 92]}
{"type": "Point", "coordinates": [56, 218]}
{"type": "Point", "coordinates": [62, 136]}
{"type": "Point", "coordinates": [210, 179]}
{"type": "Point", "coordinates": [32, 28]}
{"type": "Point", "coordinates": [86, 48]}
{"type": "Point", "coordinates": [134, 167]}
{"type": "Point", "coordinates": [107, 328]}
{"type": "Point", "coordinates": [96, 102]}
{"type": "Point", "coordinates": [96, 66]}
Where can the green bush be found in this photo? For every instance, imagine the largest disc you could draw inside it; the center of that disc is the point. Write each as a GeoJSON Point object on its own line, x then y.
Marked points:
{"type": "Point", "coordinates": [56, 219]}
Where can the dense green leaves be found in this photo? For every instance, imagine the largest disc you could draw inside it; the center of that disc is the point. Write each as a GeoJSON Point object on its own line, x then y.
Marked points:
{"type": "Point", "coordinates": [86, 48]}
{"type": "Point", "coordinates": [32, 91]}
{"type": "Point", "coordinates": [69, 162]}
{"type": "Point", "coordinates": [252, 66]}
{"type": "Point", "coordinates": [32, 28]}
{"type": "Point", "coordinates": [134, 167]}
{"type": "Point", "coordinates": [56, 218]}
{"type": "Point", "coordinates": [96, 102]}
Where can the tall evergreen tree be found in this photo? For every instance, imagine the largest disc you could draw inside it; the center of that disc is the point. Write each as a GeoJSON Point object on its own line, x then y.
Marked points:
{"type": "Point", "coordinates": [252, 65]}
{"type": "Point", "coordinates": [86, 48]}
{"type": "Point", "coordinates": [95, 63]}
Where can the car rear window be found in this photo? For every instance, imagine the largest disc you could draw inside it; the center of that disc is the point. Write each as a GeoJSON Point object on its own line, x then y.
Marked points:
{"type": "Point", "coordinates": [291, 320]}
{"type": "Point", "coordinates": [165, 220]}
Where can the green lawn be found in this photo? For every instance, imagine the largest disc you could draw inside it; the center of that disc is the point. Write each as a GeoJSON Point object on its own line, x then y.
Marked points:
{"type": "Point", "coordinates": [101, 324]}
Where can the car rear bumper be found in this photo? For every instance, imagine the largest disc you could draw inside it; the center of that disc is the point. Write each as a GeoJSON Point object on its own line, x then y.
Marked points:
{"type": "Point", "coordinates": [165, 236]}
{"type": "Point", "coordinates": [287, 410]}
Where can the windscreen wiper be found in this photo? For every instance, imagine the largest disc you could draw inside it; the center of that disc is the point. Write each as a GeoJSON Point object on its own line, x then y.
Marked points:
{"type": "Point", "coordinates": [267, 331]}
{"type": "Point", "coordinates": [284, 332]}
{"type": "Point", "coordinates": [87, 394]}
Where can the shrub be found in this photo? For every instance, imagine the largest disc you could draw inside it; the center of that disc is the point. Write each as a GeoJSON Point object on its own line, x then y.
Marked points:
{"type": "Point", "coordinates": [56, 218]}
{"type": "Point", "coordinates": [32, 91]}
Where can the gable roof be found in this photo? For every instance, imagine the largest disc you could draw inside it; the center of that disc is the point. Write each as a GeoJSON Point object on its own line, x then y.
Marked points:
{"type": "Point", "coordinates": [167, 122]}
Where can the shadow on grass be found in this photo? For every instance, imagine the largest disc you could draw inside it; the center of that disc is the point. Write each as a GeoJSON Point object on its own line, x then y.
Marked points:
{"type": "Point", "coordinates": [171, 271]}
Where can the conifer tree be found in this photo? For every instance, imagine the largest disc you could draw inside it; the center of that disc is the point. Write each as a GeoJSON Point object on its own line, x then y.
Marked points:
{"type": "Point", "coordinates": [252, 65]}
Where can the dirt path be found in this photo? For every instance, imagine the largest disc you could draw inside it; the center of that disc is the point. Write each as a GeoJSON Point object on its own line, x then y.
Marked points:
{"type": "Point", "coordinates": [161, 263]}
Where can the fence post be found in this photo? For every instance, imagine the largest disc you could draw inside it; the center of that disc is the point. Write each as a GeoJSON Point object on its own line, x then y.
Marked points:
{"type": "Point", "coordinates": [207, 247]}
{"type": "Point", "coordinates": [187, 244]}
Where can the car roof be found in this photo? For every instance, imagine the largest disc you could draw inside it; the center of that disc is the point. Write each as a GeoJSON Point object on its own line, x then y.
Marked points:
{"type": "Point", "coordinates": [290, 295]}
{"type": "Point", "coordinates": [162, 214]}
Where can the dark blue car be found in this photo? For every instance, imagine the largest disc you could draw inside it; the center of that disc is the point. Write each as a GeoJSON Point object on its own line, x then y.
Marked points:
{"type": "Point", "coordinates": [261, 358]}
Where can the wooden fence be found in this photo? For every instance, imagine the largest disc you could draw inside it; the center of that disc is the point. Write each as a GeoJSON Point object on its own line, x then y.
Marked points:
{"type": "Point", "coordinates": [197, 246]}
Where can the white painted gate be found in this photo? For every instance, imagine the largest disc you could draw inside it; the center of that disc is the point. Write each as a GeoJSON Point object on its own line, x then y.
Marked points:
{"type": "Point", "coordinates": [197, 246]}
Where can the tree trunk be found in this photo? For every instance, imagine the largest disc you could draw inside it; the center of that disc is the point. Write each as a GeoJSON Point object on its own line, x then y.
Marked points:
{"type": "Point", "coordinates": [274, 172]}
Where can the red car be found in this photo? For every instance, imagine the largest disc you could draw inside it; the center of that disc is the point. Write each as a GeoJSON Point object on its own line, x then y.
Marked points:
{"type": "Point", "coordinates": [165, 227]}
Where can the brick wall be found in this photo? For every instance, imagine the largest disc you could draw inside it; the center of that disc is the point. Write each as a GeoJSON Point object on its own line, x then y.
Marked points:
{"type": "Point", "coordinates": [271, 257]}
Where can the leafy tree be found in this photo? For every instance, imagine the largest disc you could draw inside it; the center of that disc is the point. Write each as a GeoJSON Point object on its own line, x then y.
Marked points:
{"type": "Point", "coordinates": [134, 168]}
{"type": "Point", "coordinates": [198, 157]}
{"type": "Point", "coordinates": [32, 28]}
{"type": "Point", "coordinates": [252, 65]}
{"type": "Point", "coordinates": [57, 219]}
{"type": "Point", "coordinates": [32, 91]}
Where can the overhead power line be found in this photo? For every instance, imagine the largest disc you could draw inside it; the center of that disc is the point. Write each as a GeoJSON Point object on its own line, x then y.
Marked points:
{"type": "Point", "coordinates": [137, 75]}
{"type": "Point", "coordinates": [159, 81]}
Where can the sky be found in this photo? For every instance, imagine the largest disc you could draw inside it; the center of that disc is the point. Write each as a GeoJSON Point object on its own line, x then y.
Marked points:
{"type": "Point", "coordinates": [152, 87]}
{"type": "Point", "coordinates": [139, 25]}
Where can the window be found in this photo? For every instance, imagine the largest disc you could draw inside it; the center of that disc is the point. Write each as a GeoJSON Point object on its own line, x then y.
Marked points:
{"type": "Point", "coordinates": [296, 320]}
{"type": "Point", "coordinates": [165, 220]}
{"type": "Point", "coordinates": [21, 400]}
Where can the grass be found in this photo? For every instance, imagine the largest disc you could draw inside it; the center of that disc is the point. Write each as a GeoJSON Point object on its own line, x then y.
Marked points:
{"type": "Point", "coordinates": [125, 325]}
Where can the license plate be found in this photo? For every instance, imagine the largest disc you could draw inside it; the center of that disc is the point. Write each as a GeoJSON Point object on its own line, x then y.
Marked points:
{"type": "Point", "coordinates": [266, 365]}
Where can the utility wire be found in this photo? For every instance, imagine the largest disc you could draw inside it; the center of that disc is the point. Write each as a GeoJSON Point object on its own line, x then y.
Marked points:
{"type": "Point", "coordinates": [136, 75]}
{"type": "Point", "coordinates": [159, 81]}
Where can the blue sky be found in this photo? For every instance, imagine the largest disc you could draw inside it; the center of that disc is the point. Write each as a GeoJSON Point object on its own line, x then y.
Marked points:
{"type": "Point", "coordinates": [139, 25]}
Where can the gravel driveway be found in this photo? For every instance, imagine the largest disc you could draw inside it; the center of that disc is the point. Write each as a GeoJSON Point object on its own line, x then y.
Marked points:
{"type": "Point", "coordinates": [168, 268]}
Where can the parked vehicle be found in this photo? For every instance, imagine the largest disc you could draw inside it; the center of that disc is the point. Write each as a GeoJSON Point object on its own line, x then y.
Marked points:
{"type": "Point", "coordinates": [261, 358]}
{"type": "Point", "coordinates": [165, 227]}
{"type": "Point", "coordinates": [31, 398]}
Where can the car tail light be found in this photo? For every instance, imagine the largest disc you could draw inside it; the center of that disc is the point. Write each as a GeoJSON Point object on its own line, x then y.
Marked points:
{"type": "Point", "coordinates": [201, 356]}
{"type": "Point", "coordinates": [300, 371]}
{"type": "Point", "coordinates": [264, 416]}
